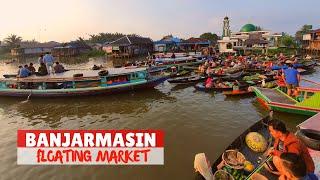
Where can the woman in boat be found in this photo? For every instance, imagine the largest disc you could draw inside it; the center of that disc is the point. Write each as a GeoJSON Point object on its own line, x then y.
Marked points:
{"type": "Point", "coordinates": [209, 82]}
{"type": "Point", "coordinates": [19, 70]}
{"type": "Point", "coordinates": [42, 70]}
{"type": "Point", "coordinates": [58, 68]}
{"type": "Point", "coordinates": [40, 59]}
{"type": "Point", "coordinates": [202, 167]}
{"type": "Point", "coordinates": [285, 142]}
{"type": "Point", "coordinates": [31, 68]}
{"type": "Point", "coordinates": [294, 168]}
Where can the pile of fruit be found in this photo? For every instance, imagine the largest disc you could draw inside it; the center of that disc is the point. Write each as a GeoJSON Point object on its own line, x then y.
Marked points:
{"type": "Point", "coordinates": [237, 174]}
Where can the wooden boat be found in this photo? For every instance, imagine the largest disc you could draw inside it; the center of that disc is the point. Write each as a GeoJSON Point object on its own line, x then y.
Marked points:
{"type": "Point", "coordinates": [180, 73]}
{"type": "Point", "coordinates": [237, 92]}
{"type": "Point", "coordinates": [240, 144]}
{"type": "Point", "coordinates": [10, 75]}
{"type": "Point", "coordinates": [235, 76]}
{"type": "Point", "coordinates": [202, 87]}
{"type": "Point", "coordinates": [275, 99]}
{"type": "Point", "coordinates": [89, 83]}
{"type": "Point", "coordinates": [257, 158]}
{"type": "Point", "coordinates": [186, 80]}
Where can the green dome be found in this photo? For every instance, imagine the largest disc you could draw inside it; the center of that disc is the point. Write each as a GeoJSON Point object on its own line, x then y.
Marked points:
{"type": "Point", "coordinates": [248, 28]}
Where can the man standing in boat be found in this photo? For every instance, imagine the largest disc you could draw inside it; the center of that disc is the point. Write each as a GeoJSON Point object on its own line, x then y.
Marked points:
{"type": "Point", "coordinates": [292, 79]}
{"type": "Point", "coordinates": [48, 60]}
{"type": "Point", "coordinates": [287, 142]}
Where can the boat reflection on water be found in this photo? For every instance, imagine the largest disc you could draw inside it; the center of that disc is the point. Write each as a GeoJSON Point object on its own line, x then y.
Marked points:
{"type": "Point", "coordinates": [55, 111]}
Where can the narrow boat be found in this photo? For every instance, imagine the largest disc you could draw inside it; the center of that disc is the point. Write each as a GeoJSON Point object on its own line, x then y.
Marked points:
{"type": "Point", "coordinates": [276, 100]}
{"type": "Point", "coordinates": [80, 83]}
{"type": "Point", "coordinates": [229, 87]}
{"type": "Point", "coordinates": [240, 144]}
{"type": "Point", "coordinates": [237, 92]}
{"type": "Point", "coordinates": [186, 80]}
{"type": "Point", "coordinates": [256, 158]}
{"type": "Point", "coordinates": [235, 76]}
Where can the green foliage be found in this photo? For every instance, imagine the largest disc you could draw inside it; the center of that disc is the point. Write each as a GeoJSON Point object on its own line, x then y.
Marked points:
{"type": "Point", "coordinates": [13, 41]}
{"type": "Point", "coordinates": [303, 30]}
{"type": "Point", "coordinates": [210, 36]}
{"type": "Point", "coordinates": [106, 37]}
{"type": "Point", "coordinates": [94, 53]}
{"type": "Point", "coordinates": [288, 41]}
{"type": "Point", "coordinates": [285, 51]}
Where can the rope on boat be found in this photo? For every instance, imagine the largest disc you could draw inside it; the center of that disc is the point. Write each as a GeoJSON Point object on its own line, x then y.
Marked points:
{"type": "Point", "coordinates": [259, 167]}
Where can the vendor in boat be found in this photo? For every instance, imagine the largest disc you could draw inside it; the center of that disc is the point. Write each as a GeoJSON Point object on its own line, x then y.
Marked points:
{"type": "Point", "coordinates": [19, 70]}
{"type": "Point", "coordinates": [24, 72]}
{"type": "Point", "coordinates": [209, 71]}
{"type": "Point", "coordinates": [294, 168]}
{"type": "Point", "coordinates": [287, 142]}
{"type": "Point", "coordinates": [31, 68]}
{"type": "Point", "coordinates": [173, 56]}
{"type": "Point", "coordinates": [202, 167]}
{"type": "Point", "coordinates": [292, 79]}
{"type": "Point", "coordinates": [209, 82]}
{"type": "Point", "coordinates": [58, 68]}
{"type": "Point", "coordinates": [42, 70]}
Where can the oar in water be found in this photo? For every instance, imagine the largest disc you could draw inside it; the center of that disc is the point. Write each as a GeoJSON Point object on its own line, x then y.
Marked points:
{"type": "Point", "coordinates": [259, 167]}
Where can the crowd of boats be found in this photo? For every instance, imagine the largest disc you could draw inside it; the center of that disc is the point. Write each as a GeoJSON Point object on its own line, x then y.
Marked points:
{"type": "Point", "coordinates": [227, 74]}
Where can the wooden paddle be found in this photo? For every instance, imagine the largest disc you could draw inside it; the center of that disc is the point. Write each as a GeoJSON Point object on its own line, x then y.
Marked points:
{"type": "Point", "coordinates": [312, 82]}
{"type": "Point", "coordinates": [259, 167]}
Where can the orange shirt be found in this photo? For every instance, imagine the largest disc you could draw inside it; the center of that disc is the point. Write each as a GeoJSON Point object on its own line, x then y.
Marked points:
{"type": "Point", "coordinates": [293, 145]}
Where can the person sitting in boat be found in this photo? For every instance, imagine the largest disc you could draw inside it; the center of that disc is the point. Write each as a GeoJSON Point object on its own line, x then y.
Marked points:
{"type": "Point", "coordinates": [58, 68]}
{"type": "Point", "coordinates": [42, 70]}
{"type": "Point", "coordinates": [209, 71]}
{"type": "Point", "coordinates": [202, 167]}
{"type": "Point", "coordinates": [31, 68]}
{"type": "Point", "coordinates": [173, 56]}
{"type": "Point", "coordinates": [19, 70]}
{"type": "Point", "coordinates": [209, 82]}
{"type": "Point", "coordinates": [292, 79]}
{"type": "Point", "coordinates": [294, 168]}
{"type": "Point", "coordinates": [24, 72]}
{"type": "Point", "coordinates": [220, 71]}
{"type": "Point", "coordinates": [213, 64]}
{"type": "Point", "coordinates": [287, 142]}
{"type": "Point", "coordinates": [40, 59]}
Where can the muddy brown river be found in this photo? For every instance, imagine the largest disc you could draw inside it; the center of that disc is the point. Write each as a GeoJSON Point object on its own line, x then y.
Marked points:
{"type": "Point", "coordinates": [193, 122]}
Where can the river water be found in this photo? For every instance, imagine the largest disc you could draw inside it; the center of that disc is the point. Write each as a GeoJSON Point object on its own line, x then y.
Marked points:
{"type": "Point", "coordinates": [193, 122]}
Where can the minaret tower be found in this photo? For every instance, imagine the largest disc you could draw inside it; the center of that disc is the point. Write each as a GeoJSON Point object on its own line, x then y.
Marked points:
{"type": "Point", "coordinates": [226, 27]}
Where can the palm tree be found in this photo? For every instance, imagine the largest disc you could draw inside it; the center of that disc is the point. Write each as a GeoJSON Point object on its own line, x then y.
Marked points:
{"type": "Point", "coordinates": [13, 41]}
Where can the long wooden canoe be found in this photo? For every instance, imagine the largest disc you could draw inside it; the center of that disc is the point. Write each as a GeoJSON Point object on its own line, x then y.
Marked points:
{"type": "Point", "coordinates": [277, 100]}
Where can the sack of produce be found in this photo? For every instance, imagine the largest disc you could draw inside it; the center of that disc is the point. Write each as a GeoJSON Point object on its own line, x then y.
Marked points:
{"type": "Point", "coordinates": [256, 142]}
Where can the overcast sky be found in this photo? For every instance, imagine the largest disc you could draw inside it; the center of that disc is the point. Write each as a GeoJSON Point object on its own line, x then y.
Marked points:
{"type": "Point", "coordinates": [65, 20]}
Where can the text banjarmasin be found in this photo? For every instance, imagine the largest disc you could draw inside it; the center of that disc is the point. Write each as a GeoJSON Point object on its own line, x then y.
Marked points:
{"type": "Point", "coordinates": [91, 140]}
{"type": "Point", "coordinates": [90, 147]}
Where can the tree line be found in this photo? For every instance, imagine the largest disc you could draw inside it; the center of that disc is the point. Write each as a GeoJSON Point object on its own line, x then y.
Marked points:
{"type": "Point", "coordinates": [14, 41]}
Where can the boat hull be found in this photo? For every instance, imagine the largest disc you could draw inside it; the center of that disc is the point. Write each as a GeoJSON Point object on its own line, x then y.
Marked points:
{"type": "Point", "coordinates": [82, 91]}
{"type": "Point", "coordinates": [283, 107]}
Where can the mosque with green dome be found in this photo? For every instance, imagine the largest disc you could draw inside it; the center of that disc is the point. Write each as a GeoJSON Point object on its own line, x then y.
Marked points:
{"type": "Point", "coordinates": [249, 37]}
{"type": "Point", "coordinates": [248, 28]}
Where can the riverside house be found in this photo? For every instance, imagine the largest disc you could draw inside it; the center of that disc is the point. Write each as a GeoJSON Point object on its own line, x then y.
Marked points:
{"type": "Point", "coordinates": [128, 46]}
{"type": "Point", "coordinates": [29, 49]}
